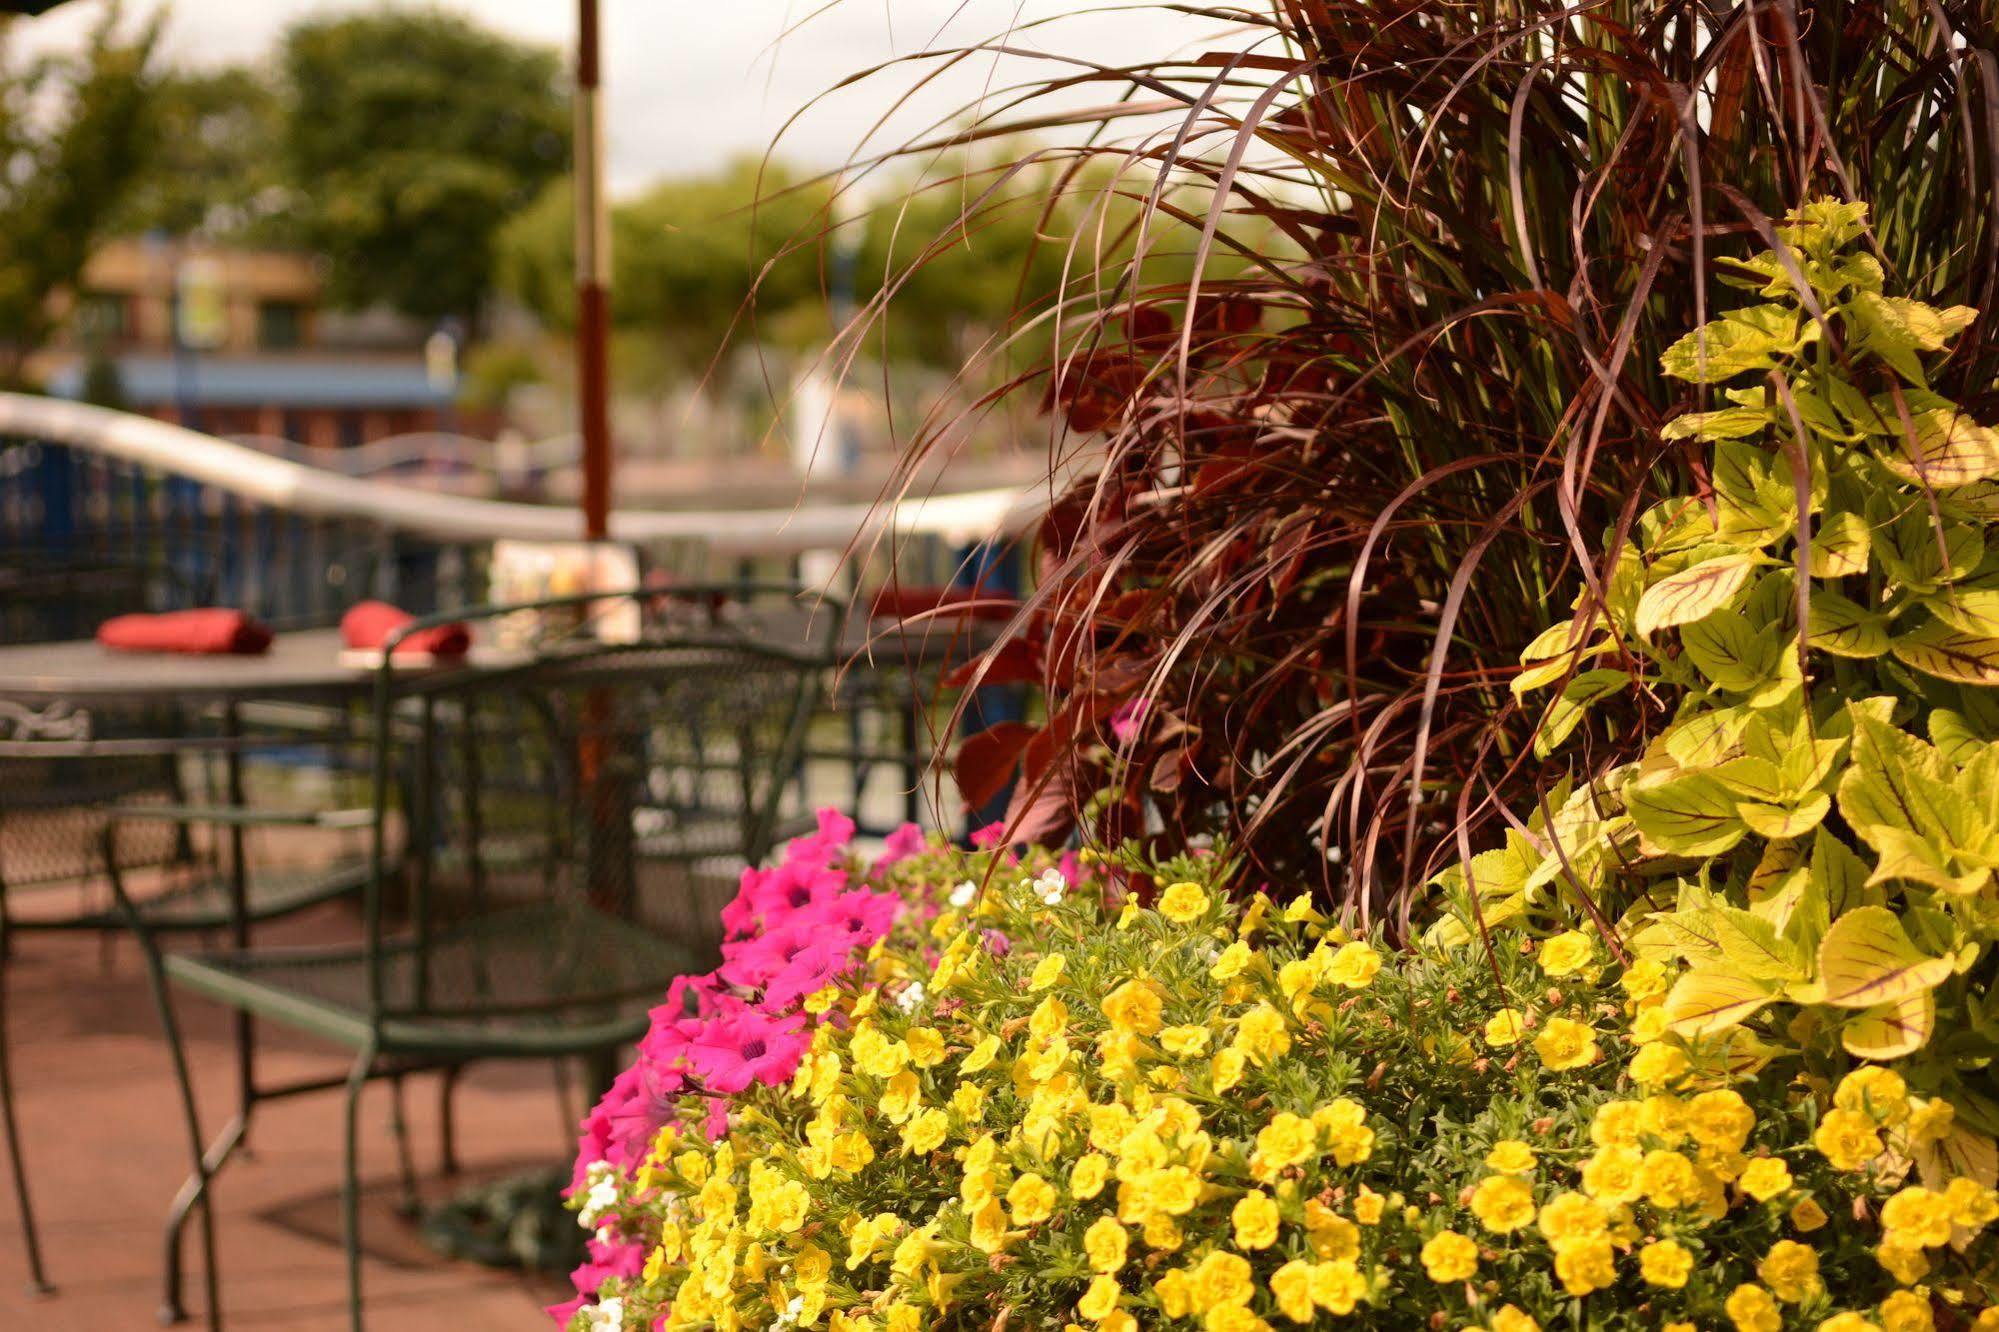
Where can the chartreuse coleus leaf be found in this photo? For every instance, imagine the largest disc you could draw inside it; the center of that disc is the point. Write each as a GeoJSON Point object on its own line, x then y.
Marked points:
{"type": "Point", "coordinates": [1917, 552]}
{"type": "Point", "coordinates": [1556, 652]}
{"type": "Point", "coordinates": [1867, 960]}
{"type": "Point", "coordinates": [1930, 823]}
{"type": "Point", "coordinates": [1896, 329]}
{"type": "Point", "coordinates": [1566, 712]}
{"type": "Point", "coordinates": [1844, 627]}
{"type": "Point", "coordinates": [1937, 648]}
{"type": "Point", "coordinates": [1711, 999]}
{"type": "Point", "coordinates": [1692, 814]}
{"type": "Point", "coordinates": [1694, 592]}
{"type": "Point", "coordinates": [1757, 337]}
{"type": "Point", "coordinates": [1841, 544]}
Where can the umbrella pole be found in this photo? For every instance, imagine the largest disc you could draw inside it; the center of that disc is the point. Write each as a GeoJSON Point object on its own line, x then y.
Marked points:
{"type": "Point", "coordinates": [593, 270]}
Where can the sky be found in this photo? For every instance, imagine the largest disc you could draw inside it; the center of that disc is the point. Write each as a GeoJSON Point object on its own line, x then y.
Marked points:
{"type": "Point", "coordinates": [692, 83]}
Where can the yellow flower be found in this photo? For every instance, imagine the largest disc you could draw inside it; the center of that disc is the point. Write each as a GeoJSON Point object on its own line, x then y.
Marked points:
{"type": "Point", "coordinates": [1565, 1044]}
{"type": "Point", "coordinates": [1644, 978]}
{"type": "Point", "coordinates": [1331, 1235]}
{"type": "Point", "coordinates": [1449, 1256]}
{"type": "Point", "coordinates": [1877, 1092]}
{"type": "Point", "coordinates": [1906, 1263]}
{"type": "Point", "coordinates": [1751, 1309]}
{"type": "Point", "coordinates": [1808, 1216]}
{"type": "Point", "coordinates": [1105, 1244]}
{"type": "Point", "coordinates": [980, 1056]}
{"type": "Point", "coordinates": [1088, 1176]}
{"type": "Point", "coordinates": [988, 1227]}
{"type": "Point", "coordinates": [1183, 902]}
{"type": "Point", "coordinates": [1255, 1219]}
{"type": "Point", "coordinates": [1367, 1206]}
{"type": "Point", "coordinates": [1906, 1311]}
{"type": "Point", "coordinates": [1847, 1138]}
{"type": "Point", "coordinates": [1046, 972]}
{"type": "Point", "coordinates": [1222, 1278]}
{"type": "Point", "coordinates": [1512, 1318]}
{"type": "Point", "coordinates": [1720, 1119]}
{"type": "Point", "coordinates": [1665, 1263]}
{"type": "Point", "coordinates": [1510, 1156]}
{"type": "Point", "coordinates": [1668, 1179]}
{"type": "Point", "coordinates": [1100, 1300]}
{"type": "Point", "coordinates": [1566, 954]}
{"type": "Point", "coordinates": [1505, 1028]}
{"type": "Point", "coordinates": [1930, 1121]}
{"type": "Point", "coordinates": [1791, 1270]}
{"type": "Point", "coordinates": [1765, 1178]}
{"type": "Point", "coordinates": [1972, 1205]}
{"type": "Point", "coordinates": [1649, 1025]}
{"type": "Point", "coordinates": [1337, 1286]}
{"type": "Point", "coordinates": [1917, 1218]}
{"type": "Point", "coordinates": [1288, 1139]}
{"type": "Point", "coordinates": [1031, 1199]}
{"type": "Point", "coordinates": [1189, 1042]}
{"type": "Point", "coordinates": [1234, 960]}
{"type": "Point", "coordinates": [1659, 1064]}
{"type": "Point", "coordinates": [1585, 1264]}
{"type": "Point", "coordinates": [1504, 1203]}
{"type": "Point", "coordinates": [1610, 1174]}
{"type": "Point", "coordinates": [1135, 1007]}
{"type": "Point", "coordinates": [1847, 1322]}
{"type": "Point", "coordinates": [1354, 966]}
{"type": "Point", "coordinates": [1261, 1034]}
{"type": "Point", "coordinates": [1227, 1068]}
{"type": "Point", "coordinates": [1570, 1216]}
{"type": "Point", "coordinates": [925, 1133]}
{"type": "Point", "coordinates": [1291, 1288]}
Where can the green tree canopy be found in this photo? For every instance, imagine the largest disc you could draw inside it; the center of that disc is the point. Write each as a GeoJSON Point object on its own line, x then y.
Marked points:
{"type": "Point", "coordinates": [413, 137]}
{"type": "Point", "coordinates": [74, 130]}
{"type": "Point", "coordinates": [958, 263]}
{"type": "Point", "coordinates": [214, 166]}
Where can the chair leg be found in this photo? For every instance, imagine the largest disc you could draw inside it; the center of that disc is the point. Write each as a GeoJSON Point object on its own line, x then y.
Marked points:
{"type": "Point", "coordinates": [38, 1282]}
{"type": "Point", "coordinates": [350, 1184]}
{"type": "Point", "coordinates": [447, 1118]}
{"type": "Point", "coordinates": [409, 1204]}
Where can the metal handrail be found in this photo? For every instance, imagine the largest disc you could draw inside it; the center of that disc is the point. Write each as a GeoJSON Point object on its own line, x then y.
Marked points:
{"type": "Point", "coordinates": [315, 492]}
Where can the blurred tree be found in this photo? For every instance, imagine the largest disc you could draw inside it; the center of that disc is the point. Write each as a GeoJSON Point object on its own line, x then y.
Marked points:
{"type": "Point", "coordinates": [685, 255]}
{"type": "Point", "coordinates": [74, 131]}
{"type": "Point", "coordinates": [414, 135]}
{"type": "Point", "coordinates": [214, 168]}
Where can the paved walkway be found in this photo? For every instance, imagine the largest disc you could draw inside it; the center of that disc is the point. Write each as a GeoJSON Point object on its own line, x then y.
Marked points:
{"type": "Point", "coordinates": [106, 1150]}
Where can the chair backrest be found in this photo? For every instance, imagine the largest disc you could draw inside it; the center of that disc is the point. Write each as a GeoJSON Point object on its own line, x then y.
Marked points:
{"type": "Point", "coordinates": [555, 780]}
{"type": "Point", "coordinates": [55, 781]}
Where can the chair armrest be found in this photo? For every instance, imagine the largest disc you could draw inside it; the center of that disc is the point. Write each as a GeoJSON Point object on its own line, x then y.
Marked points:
{"type": "Point", "coordinates": [230, 816]}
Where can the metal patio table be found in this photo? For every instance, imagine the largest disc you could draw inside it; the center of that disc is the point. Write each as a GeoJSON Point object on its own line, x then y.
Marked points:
{"type": "Point", "coordinates": [59, 690]}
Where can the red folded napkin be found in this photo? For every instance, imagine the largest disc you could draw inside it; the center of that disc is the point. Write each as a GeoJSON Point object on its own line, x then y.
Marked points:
{"type": "Point", "coordinates": [209, 631]}
{"type": "Point", "coordinates": [368, 625]}
{"type": "Point", "coordinates": [896, 602]}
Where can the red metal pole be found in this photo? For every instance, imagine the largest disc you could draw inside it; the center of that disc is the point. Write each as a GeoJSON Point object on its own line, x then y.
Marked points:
{"type": "Point", "coordinates": [593, 274]}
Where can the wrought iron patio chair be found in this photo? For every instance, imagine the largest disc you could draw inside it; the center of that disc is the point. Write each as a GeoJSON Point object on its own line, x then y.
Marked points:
{"type": "Point", "coordinates": [538, 795]}
{"type": "Point", "coordinates": [65, 788]}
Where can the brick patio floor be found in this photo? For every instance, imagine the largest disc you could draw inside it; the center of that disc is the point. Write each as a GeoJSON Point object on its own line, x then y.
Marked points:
{"type": "Point", "coordinates": [106, 1150]}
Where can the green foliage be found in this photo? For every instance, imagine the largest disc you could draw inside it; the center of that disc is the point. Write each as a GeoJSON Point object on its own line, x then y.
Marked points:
{"type": "Point", "coordinates": [413, 136]}
{"type": "Point", "coordinates": [214, 165]}
{"type": "Point", "coordinates": [1811, 842]}
{"type": "Point", "coordinates": [74, 133]}
{"type": "Point", "coordinates": [1342, 482]}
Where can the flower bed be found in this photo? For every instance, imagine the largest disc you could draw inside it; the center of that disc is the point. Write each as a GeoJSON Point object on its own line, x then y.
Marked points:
{"type": "Point", "coordinates": [1013, 1096]}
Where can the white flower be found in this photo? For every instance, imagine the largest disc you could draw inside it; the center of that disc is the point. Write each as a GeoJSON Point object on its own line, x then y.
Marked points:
{"type": "Point", "coordinates": [962, 895]}
{"type": "Point", "coordinates": [1050, 887]}
{"type": "Point", "coordinates": [911, 996]}
{"type": "Point", "coordinates": [602, 1195]}
{"type": "Point", "coordinates": [608, 1316]}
